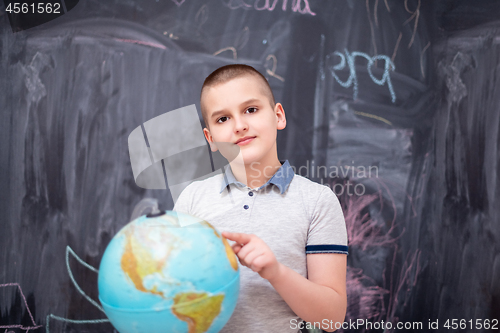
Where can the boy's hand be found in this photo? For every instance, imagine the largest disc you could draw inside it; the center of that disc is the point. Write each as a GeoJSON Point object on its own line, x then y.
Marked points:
{"type": "Point", "coordinates": [254, 254]}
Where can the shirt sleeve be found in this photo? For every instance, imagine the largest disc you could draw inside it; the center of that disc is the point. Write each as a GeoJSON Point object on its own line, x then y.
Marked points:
{"type": "Point", "coordinates": [183, 203]}
{"type": "Point", "coordinates": [327, 230]}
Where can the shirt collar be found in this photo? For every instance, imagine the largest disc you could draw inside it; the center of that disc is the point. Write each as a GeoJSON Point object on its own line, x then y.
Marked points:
{"type": "Point", "coordinates": [281, 178]}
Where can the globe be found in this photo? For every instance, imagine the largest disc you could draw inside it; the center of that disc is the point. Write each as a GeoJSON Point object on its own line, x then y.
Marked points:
{"type": "Point", "coordinates": [158, 276]}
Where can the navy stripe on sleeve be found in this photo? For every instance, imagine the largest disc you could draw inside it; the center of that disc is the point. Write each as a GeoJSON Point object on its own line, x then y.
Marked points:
{"type": "Point", "coordinates": [327, 248]}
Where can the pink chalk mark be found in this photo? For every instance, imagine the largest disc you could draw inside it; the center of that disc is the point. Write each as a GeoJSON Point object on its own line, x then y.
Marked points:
{"type": "Point", "coordinates": [407, 279]}
{"type": "Point", "coordinates": [369, 296]}
{"type": "Point", "coordinates": [178, 3]}
{"type": "Point", "coordinates": [365, 232]}
{"type": "Point", "coordinates": [35, 326]}
{"type": "Point", "coordinates": [296, 6]}
{"type": "Point", "coordinates": [134, 41]}
{"type": "Point", "coordinates": [238, 4]}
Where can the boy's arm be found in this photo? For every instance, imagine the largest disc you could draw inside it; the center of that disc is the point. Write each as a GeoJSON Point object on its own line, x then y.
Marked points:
{"type": "Point", "coordinates": [320, 298]}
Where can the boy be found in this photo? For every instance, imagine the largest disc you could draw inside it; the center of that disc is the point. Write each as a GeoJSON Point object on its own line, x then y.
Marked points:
{"type": "Point", "coordinates": [289, 233]}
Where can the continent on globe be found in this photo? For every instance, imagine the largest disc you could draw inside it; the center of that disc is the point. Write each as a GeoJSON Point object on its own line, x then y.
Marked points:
{"type": "Point", "coordinates": [157, 276]}
{"type": "Point", "coordinates": [198, 314]}
{"type": "Point", "coordinates": [147, 265]}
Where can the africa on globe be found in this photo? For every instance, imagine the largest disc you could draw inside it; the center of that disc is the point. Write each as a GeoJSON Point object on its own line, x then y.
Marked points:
{"type": "Point", "coordinates": [159, 275]}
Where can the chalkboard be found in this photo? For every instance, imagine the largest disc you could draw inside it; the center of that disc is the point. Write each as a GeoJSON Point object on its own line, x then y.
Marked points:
{"type": "Point", "coordinates": [393, 104]}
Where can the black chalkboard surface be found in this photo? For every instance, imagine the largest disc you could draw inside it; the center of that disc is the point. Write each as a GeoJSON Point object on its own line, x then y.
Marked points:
{"type": "Point", "coordinates": [393, 104]}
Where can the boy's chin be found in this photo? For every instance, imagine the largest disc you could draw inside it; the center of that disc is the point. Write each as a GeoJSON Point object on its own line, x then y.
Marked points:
{"type": "Point", "coordinates": [245, 161]}
{"type": "Point", "coordinates": [252, 162]}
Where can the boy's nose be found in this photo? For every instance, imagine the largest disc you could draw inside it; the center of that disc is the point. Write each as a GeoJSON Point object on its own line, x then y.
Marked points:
{"type": "Point", "coordinates": [240, 124]}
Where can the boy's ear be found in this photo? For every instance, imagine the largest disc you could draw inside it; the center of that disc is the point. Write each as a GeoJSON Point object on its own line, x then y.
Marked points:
{"type": "Point", "coordinates": [280, 115]}
{"type": "Point", "coordinates": [208, 136]}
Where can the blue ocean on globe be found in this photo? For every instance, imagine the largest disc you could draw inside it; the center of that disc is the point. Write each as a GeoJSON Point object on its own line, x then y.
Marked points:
{"type": "Point", "coordinates": [159, 276]}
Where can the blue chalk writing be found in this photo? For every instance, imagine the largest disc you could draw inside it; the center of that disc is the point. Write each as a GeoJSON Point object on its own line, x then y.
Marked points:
{"type": "Point", "coordinates": [352, 80]}
{"type": "Point", "coordinates": [69, 251]}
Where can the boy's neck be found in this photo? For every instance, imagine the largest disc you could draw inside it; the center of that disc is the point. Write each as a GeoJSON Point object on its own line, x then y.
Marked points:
{"type": "Point", "coordinates": [256, 174]}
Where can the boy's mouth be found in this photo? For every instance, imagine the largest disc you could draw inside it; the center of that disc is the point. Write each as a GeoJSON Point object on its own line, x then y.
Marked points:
{"type": "Point", "coordinates": [245, 140]}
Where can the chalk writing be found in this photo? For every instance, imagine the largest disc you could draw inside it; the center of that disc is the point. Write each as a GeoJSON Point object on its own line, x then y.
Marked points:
{"type": "Point", "coordinates": [350, 58]}
{"type": "Point", "coordinates": [229, 48]}
{"type": "Point", "coordinates": [201, 16]}
{"type": "Point", "coordinates": [371, 26]}
{"type": "Point", "coordinates": [387, 6]}
{"type": "Point", "coordinates": [301, 6]}
{"type": "Point", "coordinates": [242, 39]}
{"type": "Point", "coordinates": [272, 71]}
{"type": "Point", "coordinates": [422, 59]}
{"type": "Point", "coordinates": [178, 2]}
{"type": "Point", "coordinates": [415, 15]}
{"type": "Point", "coordinates": [375, 12]}
{"type": "Point", "coordinates": [22, 327]}
{"type": "Point", "coordinates": [68, 252]}
{"type": "Point", "coordinates": [364, 232]}
{"type": "Point", "coordinates": [133, 41]}
{"type": "Point", "coordinates": [94, 303]}
{"type": "Point", "coordinates": [396, 47]}
{"type": "Point", "coordinates": [369, 115]}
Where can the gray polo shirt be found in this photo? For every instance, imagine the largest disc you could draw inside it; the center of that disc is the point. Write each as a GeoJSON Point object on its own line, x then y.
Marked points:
{"type": "Point", "coordinates": [291, 214]}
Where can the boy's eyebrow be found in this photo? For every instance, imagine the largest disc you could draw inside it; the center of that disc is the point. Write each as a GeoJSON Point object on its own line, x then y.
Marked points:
{"type": "Point", "coordinates": [251, 100]}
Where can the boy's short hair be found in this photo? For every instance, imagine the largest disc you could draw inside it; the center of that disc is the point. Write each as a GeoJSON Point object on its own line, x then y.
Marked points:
{"type": "Point", "coordinates": [229, 72]}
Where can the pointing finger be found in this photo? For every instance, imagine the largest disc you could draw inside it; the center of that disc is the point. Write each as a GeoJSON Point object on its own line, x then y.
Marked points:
{"type": "Point", "coordinates": [240, 238]}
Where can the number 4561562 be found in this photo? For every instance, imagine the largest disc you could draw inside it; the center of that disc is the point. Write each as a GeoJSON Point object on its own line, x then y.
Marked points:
{"type": "Point", "coordinates": [31, 8]}
{"type": "Point", "coordinates": [478, 324]}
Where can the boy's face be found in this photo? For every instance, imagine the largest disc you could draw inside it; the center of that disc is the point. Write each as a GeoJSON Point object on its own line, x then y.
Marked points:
{"type": "Point", "coordinates": [240, 109]}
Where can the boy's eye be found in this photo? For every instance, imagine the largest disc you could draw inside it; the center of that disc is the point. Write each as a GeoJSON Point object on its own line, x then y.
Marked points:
{"type": "Point", "coordinates": [252, 110]}
{"type": "Point", "coordinates": [222, 119]}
